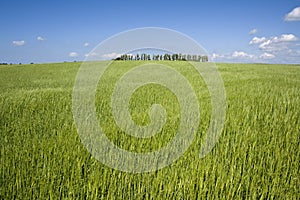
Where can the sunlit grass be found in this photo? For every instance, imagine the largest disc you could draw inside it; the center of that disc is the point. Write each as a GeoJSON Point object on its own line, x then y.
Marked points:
{"type": "Point", "coordinates": [257, 155]}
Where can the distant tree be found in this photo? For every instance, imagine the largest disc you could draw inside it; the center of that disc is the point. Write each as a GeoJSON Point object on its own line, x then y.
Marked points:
{"type": "Point", "coordinates": [204, 58]}
{"type": "Point", "coordinates": [173, 57]}
{"type": "Point", "coordinates": [166, 56]}
{"type": "Point", "coordinates": [195, 57]}
{"type": "Point", "coordinates": [199, 58]}
{"type": "Point", "coordinates": [188, 57]}
{"type": "Point", "coordinates": [179, 56]}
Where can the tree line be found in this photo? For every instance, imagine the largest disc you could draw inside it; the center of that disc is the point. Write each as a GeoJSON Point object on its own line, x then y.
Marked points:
{"type": "Point", "coordinates": [171, 57]}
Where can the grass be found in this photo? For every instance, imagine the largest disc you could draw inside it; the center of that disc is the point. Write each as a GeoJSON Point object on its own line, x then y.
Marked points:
{"type": "Point", "coordinates": [257, 155]}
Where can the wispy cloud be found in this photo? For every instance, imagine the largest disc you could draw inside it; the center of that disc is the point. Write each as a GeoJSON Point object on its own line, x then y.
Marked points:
{"type": "Point", "coordinates": [73, 54]}
{"type": "Point", "coordinates": [280, 49]}
{"type": "Point", "coordinates": [275, 43]}
{"type": "Point", "coordinates": [86, 44]}
{"type": "Point", "coordinates": [111, 55]}
{"type": "Point", "coordinates": [216, 56]}
{"type": "Point", "coordinates": [287, 38]}
{"type": "Point", "coordinates": [40, 38]}
{"type": "Point", "coordinates": [241, 54]}
{"type": "Point", "coordinates": [294, 15]}
{"type": "Point", "coordinates": [18, 42]}
{"type": "Point", "coordinates": [108, 56]}
{"type": "Point", "coordinates": [267, 56]}
{"type": "Point", "coordinates": [278, 43]}
{"type": "Point", "coordinates": [236, 56]}
{"type": "Point", "coordinates": [91, 55]}
{"type": "Point", "coordinates": [257, 40]}
{"type": "Point", "coordinates": [253, 31]}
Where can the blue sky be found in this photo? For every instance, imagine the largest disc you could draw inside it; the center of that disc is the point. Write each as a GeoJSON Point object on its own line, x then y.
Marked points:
{"type": "Point", "coordinates": [231, 31]}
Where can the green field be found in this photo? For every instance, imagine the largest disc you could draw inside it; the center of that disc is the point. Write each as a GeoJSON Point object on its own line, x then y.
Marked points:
{"type": "Point", "coordinates": [257, 155]}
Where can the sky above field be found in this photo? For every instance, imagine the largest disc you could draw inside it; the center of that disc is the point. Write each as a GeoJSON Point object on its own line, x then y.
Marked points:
{"type": "Point", "coordinates": [231, 31]}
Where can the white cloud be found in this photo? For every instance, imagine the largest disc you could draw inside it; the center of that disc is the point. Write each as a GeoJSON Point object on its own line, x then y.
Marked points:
{"type": "Point", "coordinates": [287, 38]}
{"type": "Point", "coordinates": [73, 54]}
{"type": "Point", "coordinates": [40, 38]}
{"type": "Point", "coordinates": [273, 46]}
{"type": "Point", "coordinates": [86, 44]}
{"type": "Point", "coordinates": [294, 15]}
{"type": "Point", "coordinates": [253, 31]}
{"type": "Point", "coordinates": [98, 56]}
{"type": "Point", "coordinates": [215, 56]}
{"type": "Point", "coordinates": [278, 43]}
{"type": "Point", "coordinates": [244, 57]}
{"type": "Point", "coordinates": [93, 54]}
{"type": "Point", "coordinates": [257, 40]}
{"type": "Point", "coordinates": [266, 44]}
{"type": "Point", "coordinates": [18, 42]}
{"type": "Point", "coordinates": [110, 55]}
{"type": "Point", "coordinates": [279, 49]}
{"type": "Point", "coordinates": [241, 54]}
{"type": "Point", "coordinates": [267, 56]}
{"type": "Point", "coordinates": [236, 56]}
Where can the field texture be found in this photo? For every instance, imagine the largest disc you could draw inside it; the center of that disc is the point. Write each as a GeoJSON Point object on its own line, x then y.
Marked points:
{"type": "Point", "coordinates": [257, 155]}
